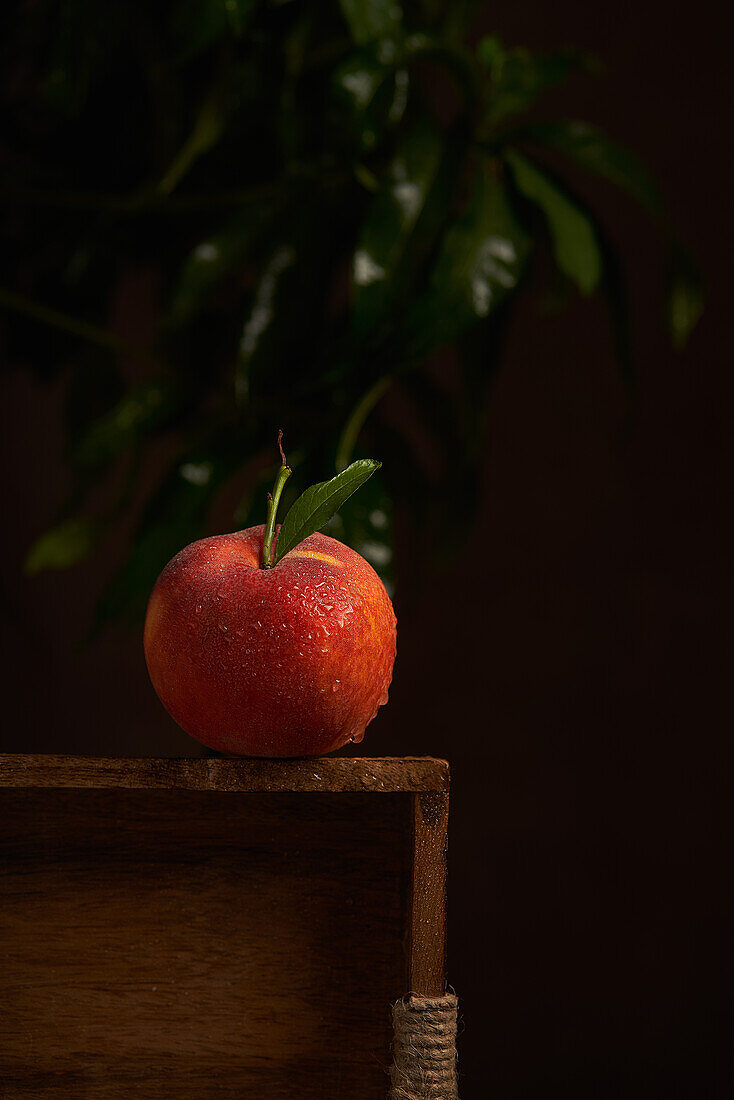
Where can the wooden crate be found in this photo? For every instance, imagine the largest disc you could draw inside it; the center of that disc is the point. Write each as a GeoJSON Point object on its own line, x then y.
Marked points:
{"type": "Point", "coordinates": [214, 928]}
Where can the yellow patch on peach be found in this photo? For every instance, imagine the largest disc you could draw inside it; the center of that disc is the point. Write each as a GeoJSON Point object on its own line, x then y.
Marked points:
{"type": "Point", "coordinates": [316, 555]}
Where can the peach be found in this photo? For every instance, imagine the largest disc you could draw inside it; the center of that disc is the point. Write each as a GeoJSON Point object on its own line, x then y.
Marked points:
{"type": "Point", "coordinates": [293, 660]}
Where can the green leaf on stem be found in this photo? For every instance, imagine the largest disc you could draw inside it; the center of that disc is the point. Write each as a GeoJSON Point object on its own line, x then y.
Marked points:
{"type": "Point", "coordinates": [318, 504]}
{"type": "Point", "coordinates": [572, 233]}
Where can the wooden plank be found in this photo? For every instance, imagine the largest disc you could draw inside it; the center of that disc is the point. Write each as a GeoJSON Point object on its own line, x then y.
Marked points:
{"type": "Point", "coordinates": [427, 958]}
{"type": "Point", "coordinates": [384, 775]}
{"type": "Point", "coordinates": [188, 945]}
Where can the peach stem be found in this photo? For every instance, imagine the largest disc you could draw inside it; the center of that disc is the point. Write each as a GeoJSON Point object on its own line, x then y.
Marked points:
{"type": "Point", "coordinates": [273, 501]}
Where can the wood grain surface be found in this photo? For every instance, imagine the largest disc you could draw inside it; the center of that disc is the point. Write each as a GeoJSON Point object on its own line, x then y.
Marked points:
{"type": "Point", "coordinates": [427, 956]}
{"type": "Point", "coordinates": [191, 944]}
{"type": "Point", "coordinates": [379, 774]}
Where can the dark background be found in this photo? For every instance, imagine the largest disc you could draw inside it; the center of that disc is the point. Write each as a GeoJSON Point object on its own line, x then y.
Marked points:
{"type": "Point", "coordinates": [571, 665]}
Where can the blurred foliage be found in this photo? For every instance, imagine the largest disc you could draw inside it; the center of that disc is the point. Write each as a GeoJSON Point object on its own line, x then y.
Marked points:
{"type": "Point", "coordinates": [329, 194]}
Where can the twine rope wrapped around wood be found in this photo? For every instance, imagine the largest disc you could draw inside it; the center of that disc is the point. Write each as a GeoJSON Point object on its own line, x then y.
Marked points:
{"type": "Point", "coordinates": [424, 1048]}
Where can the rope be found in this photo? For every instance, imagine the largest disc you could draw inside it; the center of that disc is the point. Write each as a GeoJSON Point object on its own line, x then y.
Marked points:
{"type": "Point", "coordinates": [424, 1048]}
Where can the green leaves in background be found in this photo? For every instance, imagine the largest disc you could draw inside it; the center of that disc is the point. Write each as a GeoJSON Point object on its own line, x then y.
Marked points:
{"type": "Point", "coordinates": [372, 92]}
{"type": "Point", "coordinates": [318, 504]}
{"type": "Point", "coordinates": [143, 409]}
{"type": "Point", "coordinates": [479, 263]}
{"type": "Point", "coordinates": [264, 313]}
{"type": "Point", "coordinates": [371, 19]}
{"type": "Point", "coordinates": [221, 256]}
{"type": "Point", "coordinates": [195, 25]}
{"type": "Point", "coordinates": [63, 546]}
{"type": "Point", "coordinates": [518, 77]}
{"type": "Point", "coordinates": [574, 243]}
{"type": "Point", "coordinates": [174, 516]}
{"type": "Point", "coordinates": [357, 418]}
{"type": "Point", "coordinates": [319, 198]}
{"type": "Point", "coordinates": [208, 128]}
{"type": "Point", "coordinates": [684, 295]}
{"type": "Point", "coordinates": [594, 151]}
{"type": "Point", "coordinates": [96, 386]}
{"type": "Point", "coordinates": [395, 210]}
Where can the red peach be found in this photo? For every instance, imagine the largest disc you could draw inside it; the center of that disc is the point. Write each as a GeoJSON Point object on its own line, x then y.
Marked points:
{"type": "Point", "coordinates": [295, 660]}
